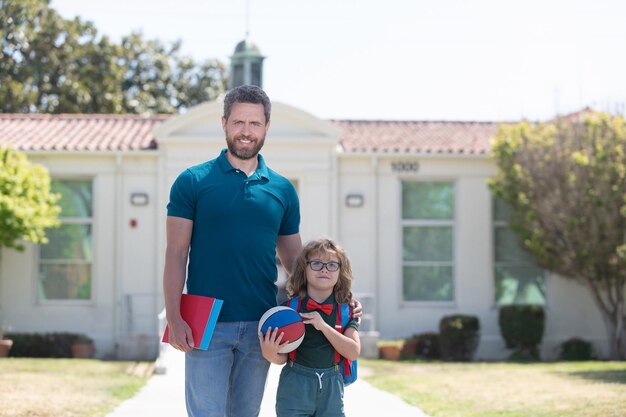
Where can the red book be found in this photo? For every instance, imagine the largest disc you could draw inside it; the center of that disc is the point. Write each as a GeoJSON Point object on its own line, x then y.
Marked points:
{"type": "Point", "coordinates": [200, 313]}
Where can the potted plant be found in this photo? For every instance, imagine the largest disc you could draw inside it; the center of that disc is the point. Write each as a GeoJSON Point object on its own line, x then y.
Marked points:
{"type": "Point", "coordinates": [83, 347]}
{"type": "Point", "coordinates": [5, 344]}
{"type": "Point", "coordinates": [390, 349]}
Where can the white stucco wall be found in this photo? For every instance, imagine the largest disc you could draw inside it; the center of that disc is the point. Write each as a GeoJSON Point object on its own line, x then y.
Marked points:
{"type": "Point", "coordinates": [372, 234]}
{"type": "Point", "coordinates": [123, 270]}
{"type": "Point", "coordinates": [128, 261]}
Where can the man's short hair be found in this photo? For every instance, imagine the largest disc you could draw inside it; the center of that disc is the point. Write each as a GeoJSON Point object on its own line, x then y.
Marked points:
{"type": "Point", "coordinates": [247, 94]}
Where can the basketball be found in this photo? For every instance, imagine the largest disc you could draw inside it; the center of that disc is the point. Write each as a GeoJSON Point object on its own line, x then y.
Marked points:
{"type": "Point", "coordinates": [288, 321]}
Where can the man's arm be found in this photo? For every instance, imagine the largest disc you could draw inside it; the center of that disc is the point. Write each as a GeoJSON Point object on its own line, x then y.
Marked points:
{"type": "Point", "coordinates": [288, 248]}
{"type": "Point", "coordinates": [178, 232]}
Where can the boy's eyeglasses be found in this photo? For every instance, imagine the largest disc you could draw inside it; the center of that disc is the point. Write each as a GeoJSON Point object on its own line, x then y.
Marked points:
{"type": "Point", "coordinates": [331, 266]}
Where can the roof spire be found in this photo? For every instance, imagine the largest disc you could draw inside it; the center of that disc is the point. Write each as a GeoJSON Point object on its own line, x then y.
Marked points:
{"type": "Point", "coordinates": [246, 64]}
{"type": "Point", "coordinates": [247, 18]}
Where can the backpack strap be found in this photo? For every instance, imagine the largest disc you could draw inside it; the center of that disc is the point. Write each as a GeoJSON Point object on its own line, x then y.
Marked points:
{"type": "Point", "coordinates": [344, 314]}
{"type": "Point", "coordinates": [294, 302]}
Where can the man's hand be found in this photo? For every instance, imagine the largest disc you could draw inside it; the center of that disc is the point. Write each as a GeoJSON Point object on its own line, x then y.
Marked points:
{"type": "Point", "coordinates": [357, 310]}
{"type": "Point", "coordinates": [180, 336]}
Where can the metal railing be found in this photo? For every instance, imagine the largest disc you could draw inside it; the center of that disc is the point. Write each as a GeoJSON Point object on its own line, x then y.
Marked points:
{"type": "Point", "coordinates": [138, 313]}
{"type": "Point", "coordinates": [368, 321]}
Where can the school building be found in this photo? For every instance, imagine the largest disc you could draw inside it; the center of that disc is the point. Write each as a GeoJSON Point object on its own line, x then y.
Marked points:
{"type": "Point", "coordinates": [408, 200]}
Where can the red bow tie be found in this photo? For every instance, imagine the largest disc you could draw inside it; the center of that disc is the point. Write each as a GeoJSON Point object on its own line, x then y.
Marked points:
{"type": "Point", "coordinates": [325, 308]}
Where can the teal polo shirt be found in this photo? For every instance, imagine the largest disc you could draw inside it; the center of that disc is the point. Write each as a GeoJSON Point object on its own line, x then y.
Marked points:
{"type": "Point", "coordinates": [315, 351]}
{"type": "Point", "coordinates": [236, 222]}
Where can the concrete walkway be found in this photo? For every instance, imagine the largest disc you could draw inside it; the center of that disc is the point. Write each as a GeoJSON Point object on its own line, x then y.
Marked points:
{"type": "Point", "coordinates": [163, 395]}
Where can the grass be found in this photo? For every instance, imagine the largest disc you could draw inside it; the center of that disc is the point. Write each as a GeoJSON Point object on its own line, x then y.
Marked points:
{"type": "Point", "coordinates": [560, 389]}
{"type": "Point", "coordinates": [65, 387]}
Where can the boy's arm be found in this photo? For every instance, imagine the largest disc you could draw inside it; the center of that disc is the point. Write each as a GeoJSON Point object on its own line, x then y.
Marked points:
{"type": "Point", "coordinates": [347, 344]}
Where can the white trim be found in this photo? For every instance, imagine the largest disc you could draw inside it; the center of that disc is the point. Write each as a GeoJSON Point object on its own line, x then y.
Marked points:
{"type": "Point", "coordinates": [335, 198]}
{"type": "Point", "coordinates": [374, 245]}
{"type": "Point", "coordinates": [210, 113]}
{"type": "Point", "coordinates": [153, 153]}
{"type": "Point", "coordinates": [395, 154]}
{"type": "Point", "coordinates": [118, 253]}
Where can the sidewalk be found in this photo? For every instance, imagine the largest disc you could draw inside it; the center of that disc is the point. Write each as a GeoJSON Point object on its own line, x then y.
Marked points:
{"type": "Point", "coordinates": [163, 395]}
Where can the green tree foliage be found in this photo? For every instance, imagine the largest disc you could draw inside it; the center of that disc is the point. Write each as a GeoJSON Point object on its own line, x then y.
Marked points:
{"type": "Point", "coordinates": [565, 182]}
{"type": "Point", "coordinates": [27, 207]}
{"type": "Point", "coordinates": [52, 65]}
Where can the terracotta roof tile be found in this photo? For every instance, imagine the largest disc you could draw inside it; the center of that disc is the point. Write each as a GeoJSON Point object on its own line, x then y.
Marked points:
{"type": "Point", "coordinates": [106, 132]}
{"type": "Point", "coordinates": [424, 137]}
{"type": "Point", "coordinates": [78, 132]}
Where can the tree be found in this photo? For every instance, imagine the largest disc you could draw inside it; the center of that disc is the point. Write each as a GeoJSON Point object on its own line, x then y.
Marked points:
{"type": "Point", "coordinates": [52, 65]}
{"type": "Point", "coordinates": [157, 79]}
{"type": "Point", "coordinates": [565, 183]}
{"type": "Point", "coordinates": [27, 207]}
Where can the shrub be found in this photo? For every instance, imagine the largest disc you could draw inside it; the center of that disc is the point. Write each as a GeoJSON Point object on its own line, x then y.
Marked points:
{"type": "Point", "coordinates": [427, 345]}
{"type": "Point", "coordinates": [458, 337]}
{"type": "Point", "coordinates": [522, 328]}
{"type": "Point", "coordinates": [576, 349]}
{"type": "Point", "coordinates": [83, 338]}
{"type": "Point", "coordinates": [409, 348]}
{"type": "Point", "coordinates": [424, 345]}
{"type": "Point", "coordinates": [519, 355]}
{"type": "Point", "coordinates": [43, 345]}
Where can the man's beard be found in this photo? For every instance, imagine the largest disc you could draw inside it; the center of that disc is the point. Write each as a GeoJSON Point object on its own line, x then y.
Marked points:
{"type": "Point", "coordinates": [247, 153]}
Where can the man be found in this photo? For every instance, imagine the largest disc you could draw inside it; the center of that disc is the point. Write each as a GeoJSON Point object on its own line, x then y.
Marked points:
{"type": "Point", "coordinates": [229, 217]}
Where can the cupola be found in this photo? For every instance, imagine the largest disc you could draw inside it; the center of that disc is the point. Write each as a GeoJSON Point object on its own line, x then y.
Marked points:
{"type": "Point", "coordinates": [246, 65]}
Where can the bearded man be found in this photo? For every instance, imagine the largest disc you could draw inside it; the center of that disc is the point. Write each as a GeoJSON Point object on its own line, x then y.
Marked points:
{"type": "Point", "coordinates": [227, 220]}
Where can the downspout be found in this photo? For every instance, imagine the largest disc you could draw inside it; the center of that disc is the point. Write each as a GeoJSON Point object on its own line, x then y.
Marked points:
{"type": "Point", "coordinates": [334, 206]}
{"type": "Point", "coordinates": [117, 253]}
{"type": "Point", "coordinates": [376, 242]}
{"type": "Point", "coordinates": [160, 242]}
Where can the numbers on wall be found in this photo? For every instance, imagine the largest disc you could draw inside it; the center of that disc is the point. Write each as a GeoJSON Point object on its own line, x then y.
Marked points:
{"type": "Point", "coordinates": [405, 166]}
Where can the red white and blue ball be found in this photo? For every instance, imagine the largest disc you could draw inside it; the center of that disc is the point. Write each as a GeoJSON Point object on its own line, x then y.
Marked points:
{"type": "Point", "coordinates": [288, 321]}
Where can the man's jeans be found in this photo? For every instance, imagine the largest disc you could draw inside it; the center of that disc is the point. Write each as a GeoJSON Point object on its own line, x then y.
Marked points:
{"type": "Point", "coordinates": [229, 378]}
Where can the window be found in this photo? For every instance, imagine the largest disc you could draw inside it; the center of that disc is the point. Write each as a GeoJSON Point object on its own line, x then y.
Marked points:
{"type": "Point", "coordinates": [518, 279]}
{"type": "Point", "coordinates": [255, 73]}
{"type": "Point", "coordinates": [427, 241]}
{"type": "Point", "coordinates": [238, 77]}
{"type": "Point", "coordinates": [65, 261]}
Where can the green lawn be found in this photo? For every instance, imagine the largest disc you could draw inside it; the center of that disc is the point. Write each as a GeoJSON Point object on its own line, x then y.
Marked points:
{"type": "Point", "coordinates": [561, 389]}
{"type": "Point", "coordinates": [65, 387]}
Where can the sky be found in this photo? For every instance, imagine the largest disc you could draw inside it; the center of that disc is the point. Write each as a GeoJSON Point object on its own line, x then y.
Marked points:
{"type": "Point", "coordinates": [482, 60]}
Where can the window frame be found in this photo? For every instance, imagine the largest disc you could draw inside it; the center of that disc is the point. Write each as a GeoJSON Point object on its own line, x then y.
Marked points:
{"type": "Point", "coordinates": [501, 223]}
{"type": "Point", "coordinates": [452, 223]}
{"type": "Point", "coordinates": [73, 221]}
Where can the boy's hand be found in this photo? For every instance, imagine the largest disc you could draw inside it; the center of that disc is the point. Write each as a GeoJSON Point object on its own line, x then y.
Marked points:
{"type": "Point", "coordinates": [314, 319]}
{"type": "Point", "coordinates": [271, 344]}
